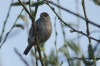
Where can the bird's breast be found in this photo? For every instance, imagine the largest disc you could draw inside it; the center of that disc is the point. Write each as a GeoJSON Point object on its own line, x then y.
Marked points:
{"type": "Point", "coordinates": [44, 31]}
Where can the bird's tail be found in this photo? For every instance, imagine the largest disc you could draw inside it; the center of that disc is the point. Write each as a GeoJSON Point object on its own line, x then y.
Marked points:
{"type": "Point", "coordinates": [27, 49]}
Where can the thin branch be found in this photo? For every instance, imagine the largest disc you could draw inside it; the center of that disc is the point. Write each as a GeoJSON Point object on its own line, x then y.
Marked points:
{"type": "Point", "coordinates": [92, 32]}
{"type": "Point", "coordinates": [36, 57]}
{"type": "Point", "coordinates": [87, 24]}
{"type": "Point", "coordinates": [25, 62]}
{"type": "Point", "coordinates": [78, 26]}
{"type": "Point", "coordinates": [30, 5]}
{"type": "Point", "coordinates": [55, 42]}
{"type": "Point", "coordinates": [62, 27]}
{"type": "Point", "coordinates": [86, 58]}
{"type": "Point", "coordinates": [35, 31]}
{"type": "Point", "coordinates": [26, 10]}
{"type": "Point", "coordinates": [91, 22]}
{"type": "Point", "coordinates": [88, 33]}
{"type": "Point", "coordinates": [10, 30]}
{"type": "Point", "coordinates": [42, 2]}
{"type": "Point", "coordinates": [96, 46]}
{"type": "Point", "coordinates": [3, 30]}
{"type": "Point", "coordinates": [31, 56]}
{"type": "Point", "coordinates": [78, 19]}
{"type": "Point", "coordinates": [36, 36]}
{"type": "Point", "coordinates": [69, 25]}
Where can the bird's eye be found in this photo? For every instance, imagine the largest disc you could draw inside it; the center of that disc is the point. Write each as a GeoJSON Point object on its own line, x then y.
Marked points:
{"type": "Point", "coordinates": [45, 15]}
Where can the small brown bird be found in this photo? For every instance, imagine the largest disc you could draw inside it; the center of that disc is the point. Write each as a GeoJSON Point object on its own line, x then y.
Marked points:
{"type": "Point", "coordinates": [44, 29]}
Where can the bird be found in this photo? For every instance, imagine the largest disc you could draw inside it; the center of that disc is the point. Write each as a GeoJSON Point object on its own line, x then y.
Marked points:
{"type": "Point", "coordinates": [43, 28]}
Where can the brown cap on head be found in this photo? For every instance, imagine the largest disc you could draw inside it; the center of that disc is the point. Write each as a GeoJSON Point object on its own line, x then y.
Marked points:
{"type": "Point", "coordinates": [44, 14]}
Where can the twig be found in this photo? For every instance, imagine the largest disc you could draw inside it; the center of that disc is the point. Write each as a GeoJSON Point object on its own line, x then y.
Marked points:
{"type": "Point", "coordinates": [95, 31]}
{"type": "Point", "coordinates": [31, 56]}
{"type": "Point", "coordinates": [69, 25]}
{"type": "Point", "coordinates": [90, 50]}
{"type": "Point", "coordinates": [55, 42]}
{"type": "Point", "coordinates": [25, 62]}
{"type": "Point", "coordinates": [30, 5]}
{"type": "Point", "coordinates": [62, 27]}
{"type": "Point", "coordinates": [10, 30]}
{"type": "Point", "coordinates": [35, 31]}
{"type": "Point", "coordinates": [26, 10]}
{"type": "Point", "coordinates": [96, 46]}
{"type": "Point", "coordinates": [42, 2]}
{"type": "Point", "coordinates": [78, 35]}
{"type": "Point", "coordinates": [87, 24]}
{"type": "Point", "coordinates": [36, 36]}
{"type": "Point", "coordinates": [78, 20]}
{"type": "Point", "coordinates": [91, 22]}
{"type": "Point", "coordinates": [86, 58]}
{"type": "Point", "coordinates": [3, 30]}
{"type": "Point", "coordinates": [36, 57]}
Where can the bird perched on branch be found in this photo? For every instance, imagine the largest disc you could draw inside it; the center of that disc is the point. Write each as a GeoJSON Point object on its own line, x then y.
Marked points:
{"type": "Point", "coordinates": [43, 28]}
